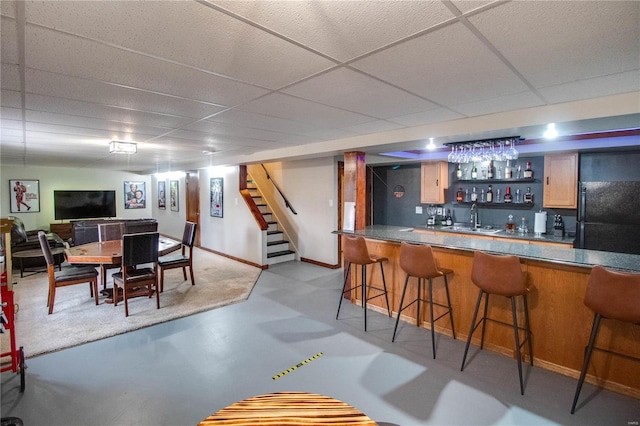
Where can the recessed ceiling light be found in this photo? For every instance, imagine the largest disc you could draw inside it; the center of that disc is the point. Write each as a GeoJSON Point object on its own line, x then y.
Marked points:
{"type": "Point", "coordinates": [551, 131]}
{"type": "Point", "coordinates": [431, 145]}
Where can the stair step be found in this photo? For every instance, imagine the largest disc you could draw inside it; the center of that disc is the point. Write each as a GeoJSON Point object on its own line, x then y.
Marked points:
{"type": "Point", "coordinates": [274, 236]}
{"type": "Point", "coordinates": [280, 253]}
{"type": "Point", "coordinates": [274, 243]}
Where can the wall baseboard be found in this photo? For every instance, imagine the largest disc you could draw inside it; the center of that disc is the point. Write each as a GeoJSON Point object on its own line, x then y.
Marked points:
{"type": "Point", "coordinates": [324, 265]}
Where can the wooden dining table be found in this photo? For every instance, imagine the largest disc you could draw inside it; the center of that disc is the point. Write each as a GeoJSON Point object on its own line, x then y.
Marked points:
{"type": "Point", "coordinates": [110, 253]}
{"type": "Point", "coordinates": [291, 409]}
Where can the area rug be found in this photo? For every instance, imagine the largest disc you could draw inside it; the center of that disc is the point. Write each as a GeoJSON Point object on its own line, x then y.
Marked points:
{"type": "Point", "coordinates": [76, 319]}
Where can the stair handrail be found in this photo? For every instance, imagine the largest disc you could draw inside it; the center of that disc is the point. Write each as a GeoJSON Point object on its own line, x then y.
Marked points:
{"type": "Point", "coordinates": [284, 198]}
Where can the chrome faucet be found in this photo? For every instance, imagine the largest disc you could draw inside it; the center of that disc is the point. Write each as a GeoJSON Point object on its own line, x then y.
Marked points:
{"type": "Point", "coordinates": [474, 217]}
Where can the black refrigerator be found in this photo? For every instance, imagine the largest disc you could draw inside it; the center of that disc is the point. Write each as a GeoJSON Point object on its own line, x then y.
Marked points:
{"type": "Point", "coordinates": [609, 217]}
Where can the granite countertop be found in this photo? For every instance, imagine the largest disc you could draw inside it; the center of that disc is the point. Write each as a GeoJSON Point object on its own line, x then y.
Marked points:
{"type": "Point", "coordinates": [499, 233]}
{"type": "Point", "coordinates": [548, 253]}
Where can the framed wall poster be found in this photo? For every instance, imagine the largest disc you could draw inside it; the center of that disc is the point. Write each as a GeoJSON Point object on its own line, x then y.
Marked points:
{"type": "Point", "coordinates": [217, 186]}
{"type": "Point", "coordinates": [162, 195]}
{"type": "Point", "coordinates": [26, 195]}
{"type": "Point", "coordinates": [174, 200]}
{"type": "Point", "coordinates": [135, 195]}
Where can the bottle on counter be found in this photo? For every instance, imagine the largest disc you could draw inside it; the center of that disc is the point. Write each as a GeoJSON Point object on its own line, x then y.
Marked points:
{"type": "Point", "coordinates": [510, 225]}
{"type": "Point", "coordinates": [490, 195]}
{"type": "Point", "coordinates": [508, 171]}
{"type": "Point", "coordinates": [528, 196]}
{"type": "Point", "coordinates": [528, 172]}
{"type": "Point", "coordinates": [459, 172]}
{"type": "Point", "coordinates": [449, 218]}
{"type": "Point", "coordinates": [460, 195]}
{"type": "Point", "coordinates": [474, 172]}
{"type": "Point", "coordinates": [474, 195]}
{"type": "Point", "coordinates": [507, 195]}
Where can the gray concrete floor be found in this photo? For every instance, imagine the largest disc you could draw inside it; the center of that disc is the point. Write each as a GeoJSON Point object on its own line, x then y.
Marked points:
{"type": "Point", "coordinates": [180, 372]}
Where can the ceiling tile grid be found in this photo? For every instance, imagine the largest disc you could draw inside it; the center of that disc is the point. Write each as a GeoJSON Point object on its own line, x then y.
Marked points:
{"type": "Point", "coordinates": [243, 77]}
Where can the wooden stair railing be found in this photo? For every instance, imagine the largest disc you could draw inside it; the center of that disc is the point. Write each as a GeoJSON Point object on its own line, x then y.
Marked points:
{"type": "Point", "coordinates": [284, 198]}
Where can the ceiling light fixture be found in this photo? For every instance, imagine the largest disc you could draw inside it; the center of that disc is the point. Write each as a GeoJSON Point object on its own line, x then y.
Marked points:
{"type": "Point", "coordinates": [551, 131]}
{"type": "Point", "coordinates": [119, 147]}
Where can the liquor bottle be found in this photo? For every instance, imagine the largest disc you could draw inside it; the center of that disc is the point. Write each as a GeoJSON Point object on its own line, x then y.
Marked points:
{"type": "Point", "coordinates": [474, 172]}
{"type": "Point", "coordinates": [508, 172]}
{"type": "Point", "coordinates": [474, 195]}
{"type": "Point", "coordinates": [490, 170]}
{"type": "Point", "coordinates": [528, 173]}
{"type": "Point", "coordinates": [518, 198]}
{"type": "Point", "coordinates": [490, 195]}
{"type": "Point", "coordinates": [449, 218]}
{"type": "Point", "coordinates": [459, 172]}
{"type": "Point", "coordinates": [460, 195]}
{"type": "Point", "coordinates": [528, 196]}
{"type": "Point", "coordinates": [507, 195]}
{"type": "Point", "coordinates": [483, 198]}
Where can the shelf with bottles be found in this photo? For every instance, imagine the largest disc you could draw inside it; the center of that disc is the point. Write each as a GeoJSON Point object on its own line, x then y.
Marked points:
{"type": "Point", "coordinates": [501, 205]}
{"type": "Point", "coordinates": [512, 180]}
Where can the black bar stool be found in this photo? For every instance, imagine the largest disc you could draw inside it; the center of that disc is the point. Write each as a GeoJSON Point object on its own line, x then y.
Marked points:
{"type": "Point", "coordinates": [611, 295]}
{"type": "Point", "coordinates": [355, 251]}
{"type": "Point", "coordinates": [417, 261]}
{"type": "Point", "coordinates": [502, 276]}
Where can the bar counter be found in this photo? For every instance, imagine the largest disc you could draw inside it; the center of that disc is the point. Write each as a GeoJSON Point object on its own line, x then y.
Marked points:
{"type": "Point", "coordinates": [557, 277]}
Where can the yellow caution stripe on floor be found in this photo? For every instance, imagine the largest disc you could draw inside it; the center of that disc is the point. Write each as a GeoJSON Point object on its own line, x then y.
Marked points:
{"type": "Point", "coordinates": [295, 367]}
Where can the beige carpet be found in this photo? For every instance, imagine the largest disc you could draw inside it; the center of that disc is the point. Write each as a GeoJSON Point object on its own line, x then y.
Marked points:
{"type": "Point", "coordinates": [76, 319]}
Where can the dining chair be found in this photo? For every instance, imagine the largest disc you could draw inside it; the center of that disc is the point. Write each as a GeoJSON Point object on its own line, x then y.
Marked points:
{"type": "Point", "coordinates": [110, 231]}
{"type": "Point", "coordinates": [68, 275]}
{"type": "Point", "coordinates": [138, 251]}
{"type": "Point", "coordinates": [180, 260]}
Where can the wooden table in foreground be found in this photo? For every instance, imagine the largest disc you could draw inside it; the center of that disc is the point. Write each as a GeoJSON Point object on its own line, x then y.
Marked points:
{"type": "Point", "coordinates": [289, 408]}
{"type": "Point", "coordinates": [110, 253]}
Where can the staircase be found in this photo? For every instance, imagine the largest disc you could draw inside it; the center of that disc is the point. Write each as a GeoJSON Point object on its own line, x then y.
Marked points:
{"type": "Point", "coordinates": [277, 248]}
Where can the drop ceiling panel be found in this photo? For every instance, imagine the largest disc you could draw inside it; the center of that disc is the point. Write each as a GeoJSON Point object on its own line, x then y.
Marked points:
{"type": "Point", "coordinates": [8, 8]}
{"type": "Point", "coordinates": [188, 33]}
{"type": "Point", "coordinates": [566, 41]}
{"type": "Point", "coordinates": [499, 104]}
{"type": "Point", "coordinates": [10, 77]}
{"type": "Point", "coordinates": [54, 52]}
{"type": "Point", "coordinates": [39, 117]}
{"type": "Point", "coordinates": [79, 109]}
{"type": "Point", "coordinates": [431, 116]}
{"type": "Point", "coordinates": [9, 51]}
{"type": "Point", "coordinates": [626, 82]}
{"type": "Point", "coordinates": [423, 64]}
{"type": "Point", "coordinates": [342, 29]}
{"type": "Point", "coordinates": [353, 91]}
{"type": "Point", "coordinates": [80, 89]}
{"type": "Point", "coordinates": [10, 98]}
{"type": "Point", "coordinates": [260, 121]}
{"type": "Point", "coordinates": [7, 113]}
{"type": "Point", "coordinates": [288, 107]}
{"type": "Point", "coordinates": [214, 129]}
{"type": "Point", "coordinates": [469, 5]}
{"type": "Point", "coordinates": [375, 126]}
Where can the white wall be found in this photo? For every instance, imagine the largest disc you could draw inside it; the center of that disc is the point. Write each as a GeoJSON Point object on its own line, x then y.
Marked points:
{"type": "Point", "coordinates": [52, 178]}
{"type": "Point", "coordinates": [311, 187]}
{"type": "Point", "coordinates": [170, 223]}
{"type": "Point", "coordinates": [236, 233]}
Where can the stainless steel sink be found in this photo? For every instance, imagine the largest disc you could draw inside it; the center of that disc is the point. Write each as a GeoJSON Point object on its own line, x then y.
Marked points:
{"type": "Point", "coordinates": [468, 230]}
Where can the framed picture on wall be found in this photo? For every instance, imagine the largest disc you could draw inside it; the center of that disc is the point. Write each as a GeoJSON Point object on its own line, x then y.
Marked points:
{"type": "Point", "coordinates": [217, 186]}
{"type": "Point", "coordinates": [162, 195]}
{"type": "Point", "coordinates": [135, 195]}
{"type": "Point", "coordinates": [25, 195]}
{"type": "Point", "coordinates": [174, 199]}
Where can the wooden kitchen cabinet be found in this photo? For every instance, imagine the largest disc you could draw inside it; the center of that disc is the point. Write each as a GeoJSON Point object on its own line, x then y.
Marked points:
{"type": "Point", "coordinates": [434, 182]}
{"type": "Point", "coordinates": [560, 185]}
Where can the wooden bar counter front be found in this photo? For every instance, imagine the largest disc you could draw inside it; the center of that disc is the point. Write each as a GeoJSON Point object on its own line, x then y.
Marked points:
{"type": "Point", "coordinates": [560, 322]}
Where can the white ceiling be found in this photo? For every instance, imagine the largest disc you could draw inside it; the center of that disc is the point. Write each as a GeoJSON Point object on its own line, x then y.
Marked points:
{"type": "Point", "coordinates": [259, 80]}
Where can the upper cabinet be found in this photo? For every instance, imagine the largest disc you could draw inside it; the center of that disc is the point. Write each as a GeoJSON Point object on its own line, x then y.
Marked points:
{"type": "Point", "coordinates": [434, 182]}
{"type": "Point", "coordinates": [560, 181]}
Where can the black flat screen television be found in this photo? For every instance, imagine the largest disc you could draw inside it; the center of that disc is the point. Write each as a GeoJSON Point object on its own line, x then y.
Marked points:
{"type": "Point", "coordinates": [84, 204]}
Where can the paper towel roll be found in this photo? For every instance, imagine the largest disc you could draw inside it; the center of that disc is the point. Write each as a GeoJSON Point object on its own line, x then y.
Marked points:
{"type": "Point", "coordinates": [540, 224]}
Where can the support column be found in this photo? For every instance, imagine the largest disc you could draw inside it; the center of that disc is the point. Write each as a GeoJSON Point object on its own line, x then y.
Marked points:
{"type": "Point", "coordinates": [355, 180]}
